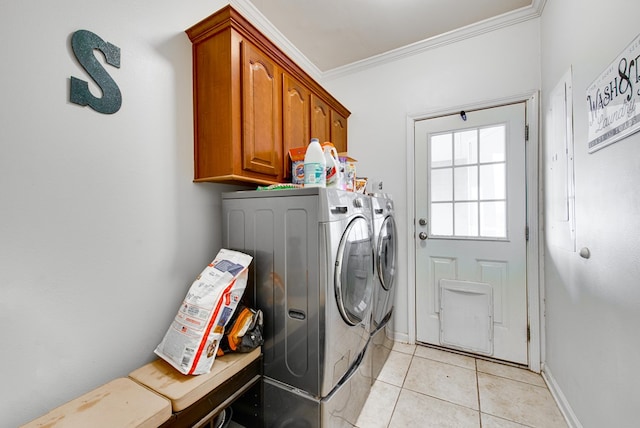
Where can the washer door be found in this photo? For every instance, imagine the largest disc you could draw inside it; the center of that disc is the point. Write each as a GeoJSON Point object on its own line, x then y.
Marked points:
{"type": "Point", "coordinates": [354, 272]}
{"type": "Point", "coordinates": [386, 251]}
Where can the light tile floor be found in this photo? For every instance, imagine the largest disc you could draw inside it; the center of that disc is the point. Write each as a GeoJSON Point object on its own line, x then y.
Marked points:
{"type": "Point", "coordinates": [425, 387]}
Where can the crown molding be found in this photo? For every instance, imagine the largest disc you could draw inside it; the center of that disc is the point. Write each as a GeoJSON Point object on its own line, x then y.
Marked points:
{"type": "Point", "coordinates": [469, 31]}
{"type": "Point", "coordinates": [249, 11]}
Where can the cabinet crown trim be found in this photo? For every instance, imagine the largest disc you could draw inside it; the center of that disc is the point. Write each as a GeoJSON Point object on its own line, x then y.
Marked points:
{"type": "Point", "coordinates": [228, 17]}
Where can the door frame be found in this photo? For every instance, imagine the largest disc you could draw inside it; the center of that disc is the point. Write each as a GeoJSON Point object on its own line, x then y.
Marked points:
{"type": "Point", "coordinates": [535, 293]}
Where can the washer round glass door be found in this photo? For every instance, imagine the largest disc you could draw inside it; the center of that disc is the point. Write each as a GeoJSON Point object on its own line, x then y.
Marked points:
{"type": "Point", "coordinates": [354, 272]}
{"type": "Point", "coordinates": [386, 251]}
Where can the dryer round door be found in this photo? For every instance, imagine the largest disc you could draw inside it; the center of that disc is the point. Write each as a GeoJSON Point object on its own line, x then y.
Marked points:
{"type": "Point", "coordinates": [354, 272]}
{"type": "Point", "coordinates": [386, 251]}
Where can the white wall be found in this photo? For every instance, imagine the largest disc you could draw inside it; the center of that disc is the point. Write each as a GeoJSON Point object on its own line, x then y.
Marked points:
{"type": "Point", "coordinates": [495, 65]}
{"type": "Point", "coordinates": [593, 306]}
{"type": "Point", "coordinates": [101, 228]}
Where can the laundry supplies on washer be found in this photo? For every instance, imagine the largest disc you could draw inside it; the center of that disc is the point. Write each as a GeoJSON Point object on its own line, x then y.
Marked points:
{"type": "Point", "coordinates": [315, 174]}
{"type": "Point", "coordinates": [192, 340]}
{"type": "Point", "coordinates": [333, 175]}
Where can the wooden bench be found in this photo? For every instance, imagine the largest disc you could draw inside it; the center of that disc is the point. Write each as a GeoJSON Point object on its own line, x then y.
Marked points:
{"type": "Point", "coordinates": [198, 399]}
{"type": "Point", "coordinates": [157, 395]}
{"type": "Point", "coordinates": [119, 403]}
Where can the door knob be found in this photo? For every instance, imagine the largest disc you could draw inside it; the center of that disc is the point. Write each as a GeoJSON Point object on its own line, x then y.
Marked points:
{"type": "Point", "coordinates": [422, 235]}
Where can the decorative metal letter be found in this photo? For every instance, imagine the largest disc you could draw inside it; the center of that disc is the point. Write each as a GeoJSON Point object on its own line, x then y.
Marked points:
{"type": "Point", "coordinates": [83, 43]}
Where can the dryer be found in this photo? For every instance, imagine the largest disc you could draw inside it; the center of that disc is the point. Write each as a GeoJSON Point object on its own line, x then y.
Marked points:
{"type": "Point", "coordinates": [386, 244]}
{"type": "Point", "coordinates": [312, 277]}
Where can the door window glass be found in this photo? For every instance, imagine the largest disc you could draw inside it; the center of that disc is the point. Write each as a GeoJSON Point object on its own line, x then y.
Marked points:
{"type": "Point", "coordinates": [441, 150]}
{"type": "Point", "coordinates": [441, 184]}
{"type": "Point", "coordinates": [466, 147]}
{"type": "Point", "coordinates": [468, 184]}
{"type": "Point", "coordinates": [466, 218]}
{"type": "Point", "coordinates": [442, 219]}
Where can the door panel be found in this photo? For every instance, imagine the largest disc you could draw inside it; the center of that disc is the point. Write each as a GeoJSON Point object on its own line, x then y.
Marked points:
{"type": "Point", "coordinates": [261, 143]}
{"type": "Point", "coordinates": [339, 131]}
{"type": "Point", "coordinates": [296, 99]}
{"type": "Point", "coordinates": [470, 228]}
{"type": "Point", "coordinates": [320, 120]}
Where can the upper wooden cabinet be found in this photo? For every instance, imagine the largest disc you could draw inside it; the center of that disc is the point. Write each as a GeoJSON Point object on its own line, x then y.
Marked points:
{"type": "Point", "coordinates": [252, 104]}
{"type": "Point", "coordinates": [328, 124]}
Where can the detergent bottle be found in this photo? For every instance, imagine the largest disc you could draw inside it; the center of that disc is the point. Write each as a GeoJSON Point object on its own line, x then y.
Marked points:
{"type": "Point", "coordinates": [314, 165]}
{"type": "Point", "coordinates": [332, 165]}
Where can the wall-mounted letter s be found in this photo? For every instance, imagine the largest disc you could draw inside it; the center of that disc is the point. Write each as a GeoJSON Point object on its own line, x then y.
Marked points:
{"type": "Point", "coordinates": [83, 43]}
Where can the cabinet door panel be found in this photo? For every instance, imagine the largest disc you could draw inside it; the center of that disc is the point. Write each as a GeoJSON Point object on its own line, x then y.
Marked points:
{"type": "Point", "coordinates": [320, 120]}
{"type": "Point", "coordinates": [339, 131]}
{"type": "Point", "coordinates": [261, 142]}
{"type": "Point", "coordinates": [296, 105]}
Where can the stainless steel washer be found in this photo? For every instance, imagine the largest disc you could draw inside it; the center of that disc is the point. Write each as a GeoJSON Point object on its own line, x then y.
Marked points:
{"type": "Point", "coordinates": [313, 279]}
{"type": "Point", "coordinates": [385, 241]}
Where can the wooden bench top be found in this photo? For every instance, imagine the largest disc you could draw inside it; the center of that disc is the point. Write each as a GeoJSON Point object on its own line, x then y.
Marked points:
{"type": "Point", "coordinates": [184, 390]}
{"type": "Point", "coordinates": [119, 403]}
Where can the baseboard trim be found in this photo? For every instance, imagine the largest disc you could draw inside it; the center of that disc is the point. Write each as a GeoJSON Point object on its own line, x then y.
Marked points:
{"type": "Point", "coordinates": [402, 338]}
{"type": "Point", "coordinates": [561, 400]}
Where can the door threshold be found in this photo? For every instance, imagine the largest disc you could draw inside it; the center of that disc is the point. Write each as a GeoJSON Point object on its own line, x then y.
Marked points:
{"type": "Point", "coordinates": [472, 355]}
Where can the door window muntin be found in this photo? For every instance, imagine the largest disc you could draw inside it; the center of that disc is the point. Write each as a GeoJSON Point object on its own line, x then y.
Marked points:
{"type": "Point", "coordinates": [460, 162]}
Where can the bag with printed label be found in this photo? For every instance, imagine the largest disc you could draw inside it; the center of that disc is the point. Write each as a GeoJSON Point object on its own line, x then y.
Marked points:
{"type": "Point", "coordinates": [192, 340]}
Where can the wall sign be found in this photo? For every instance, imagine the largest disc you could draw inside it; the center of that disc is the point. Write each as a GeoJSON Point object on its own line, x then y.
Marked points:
{"type": "Point", "coordinates": [84, 43]}
{"type": "Point", "coordinates": [613, 100]}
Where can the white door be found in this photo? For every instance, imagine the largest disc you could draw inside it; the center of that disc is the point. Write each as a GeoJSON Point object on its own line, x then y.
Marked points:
{"type": "Point", "coordinates": [470, 232]}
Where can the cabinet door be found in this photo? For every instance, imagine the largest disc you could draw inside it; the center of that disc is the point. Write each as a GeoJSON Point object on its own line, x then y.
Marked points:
{"type": "Point", "coordinates": [339, 131]}
{"type": "Point", "coordinates": [261, 136]}
{"type": "Point", "coordinates": [320, 120]}
{"type": "Point", "coordinates": [296, 105]}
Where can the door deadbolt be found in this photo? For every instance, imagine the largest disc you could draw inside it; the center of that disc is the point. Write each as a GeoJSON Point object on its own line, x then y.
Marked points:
{"type": "Point", "coordinates": [422, 222]}
{"type": "Point", "coordinates": [422, 235]}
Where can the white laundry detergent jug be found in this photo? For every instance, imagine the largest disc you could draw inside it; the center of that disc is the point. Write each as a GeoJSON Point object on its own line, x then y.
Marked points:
{"type": "Point", "coordinates": [332, 165]}
{"type": "Point", "coordinates": [314, 165]}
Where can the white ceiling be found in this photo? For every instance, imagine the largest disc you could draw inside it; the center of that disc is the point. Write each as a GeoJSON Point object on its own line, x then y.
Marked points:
{"type": "Point", "coordinates": [336, 33]}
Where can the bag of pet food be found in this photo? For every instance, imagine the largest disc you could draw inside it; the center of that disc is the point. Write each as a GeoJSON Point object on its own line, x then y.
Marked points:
{"type": "Point", "coordinates": [192, 340]}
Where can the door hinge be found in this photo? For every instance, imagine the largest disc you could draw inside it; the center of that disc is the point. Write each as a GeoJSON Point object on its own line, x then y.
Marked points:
{"type": "Point", "coordinates": [526, 233]}
{"type": "Point", "coordinates": [526, 133]}
{"type": "Point", "coordinates": [528, 333]}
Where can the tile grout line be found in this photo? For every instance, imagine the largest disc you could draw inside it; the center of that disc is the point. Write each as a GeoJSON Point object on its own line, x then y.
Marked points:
{"type": "Point", "coordinates": [514, 380]}
{"type": "Point", "coordinates": [475, 362]}
{"type": "Point", "coordinates": [446, 362]}
{"type": "Point", "coordinates": [401, 389]}
{"type": "Point", "coordinates": [394, 408]}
